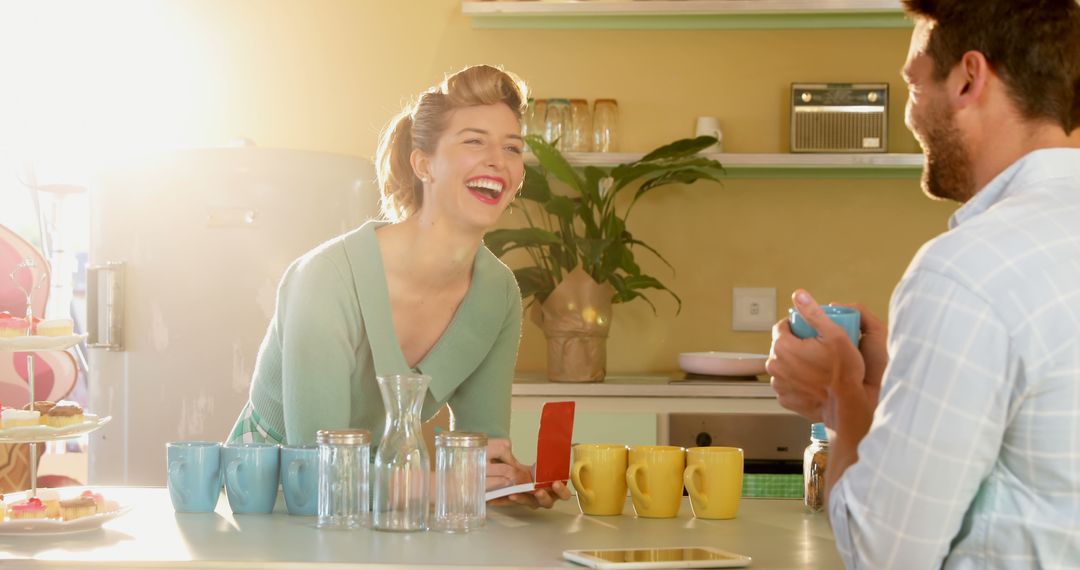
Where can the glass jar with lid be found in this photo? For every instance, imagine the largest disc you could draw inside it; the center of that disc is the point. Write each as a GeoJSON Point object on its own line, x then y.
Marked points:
{"type": "Point", "coordinates": [815, 460]}
{"type": "Point", "coordinates": [605, 119]}
{"type": "Point", "coordinates": [344, 459]}
{"type": "Point", "coordinates": [460, 479]}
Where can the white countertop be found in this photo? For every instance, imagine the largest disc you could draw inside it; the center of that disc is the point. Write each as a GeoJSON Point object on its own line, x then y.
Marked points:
{"type": "Point", "coordinates": [646, 386]}
{"type": "Point", "coordinates": [776, 533]}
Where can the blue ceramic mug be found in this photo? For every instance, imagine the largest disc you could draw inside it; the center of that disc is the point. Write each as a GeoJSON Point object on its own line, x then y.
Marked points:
{"type": "Point", "coordinates": [300, 478]}
{"type": "Point", "coordinates": [846, 317]}
{"type": "Point", "coordinates": [251, 476]}
{"type": "Point", "coordinates": [194, 475]}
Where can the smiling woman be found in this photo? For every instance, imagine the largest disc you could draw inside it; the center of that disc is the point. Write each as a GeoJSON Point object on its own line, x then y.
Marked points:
{"type": "Point", "coordinates": [414, 293]}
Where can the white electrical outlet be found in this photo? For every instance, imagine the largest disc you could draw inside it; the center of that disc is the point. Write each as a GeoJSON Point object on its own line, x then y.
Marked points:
{"type": "Point", "coordinates": [753, 308]}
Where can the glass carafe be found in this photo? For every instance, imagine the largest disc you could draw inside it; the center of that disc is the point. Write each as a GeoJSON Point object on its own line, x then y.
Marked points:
{"type": "Point", "coordinates": [401, 470]}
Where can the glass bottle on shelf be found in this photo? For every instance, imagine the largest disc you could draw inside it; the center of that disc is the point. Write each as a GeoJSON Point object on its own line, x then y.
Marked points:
{"type": "Point", "coordinates": [401, 467]}
{"type": "Point", "coordinates": [536, 120]}
{"type": "Point", "coordinates": [605, 125]}
{"type": "Point", "coordinates": [558, 124]}
{"type": "Point", "coordinates": [581, 131]}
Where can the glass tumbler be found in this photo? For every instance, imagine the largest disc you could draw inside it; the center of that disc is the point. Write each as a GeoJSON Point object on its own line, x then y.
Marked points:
{"type": "Point", "coordinates": [558, 124]}
{"type": "Point", "coordinates": [460, 473]}
{"type": "Point", "coordinates": [344, 457]}
{"type": "Point", "coordinates": [581, 131]}
{"type": "Point", "coordinates": [605, 125]}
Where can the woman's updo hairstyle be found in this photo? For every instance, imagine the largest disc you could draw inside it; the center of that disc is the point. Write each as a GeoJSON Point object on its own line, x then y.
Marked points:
{"type": "Point", "coordinates": [419, 126]}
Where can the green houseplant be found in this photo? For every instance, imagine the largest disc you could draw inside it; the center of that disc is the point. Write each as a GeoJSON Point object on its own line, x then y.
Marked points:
{"type": "Point", "coordinates": [581, 250]}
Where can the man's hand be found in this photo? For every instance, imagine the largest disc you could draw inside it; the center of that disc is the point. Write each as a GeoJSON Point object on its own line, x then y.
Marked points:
{"type": "Point", "coordinates": [826, 377]}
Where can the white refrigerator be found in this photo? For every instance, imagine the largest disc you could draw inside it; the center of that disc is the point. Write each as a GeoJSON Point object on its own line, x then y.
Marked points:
{"type": "Point", "coordinates": [186, 252]}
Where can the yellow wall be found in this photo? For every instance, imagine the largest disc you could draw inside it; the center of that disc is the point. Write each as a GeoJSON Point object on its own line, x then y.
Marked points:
{"type": "Point", "coordinates": [327, 74]}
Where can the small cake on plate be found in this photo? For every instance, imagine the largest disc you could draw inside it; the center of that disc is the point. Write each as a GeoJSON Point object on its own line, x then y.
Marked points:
{"type": "Point", "coordinates": [42, 407]}
{"type": "Point", "coordinates": [77, 508]}
{"type": "Point", "coordinates": [64, 414]}
{"type": "Point", "coordinates": [11, 326]}
{"type": "Point", "coordinates": [56, 327]}
{"type": "Point", "coordinates": [15, 418]}
{"type": "Point", "coordinates": [31, 509]}
{"type": "Point", "coordinates": [51, 499]}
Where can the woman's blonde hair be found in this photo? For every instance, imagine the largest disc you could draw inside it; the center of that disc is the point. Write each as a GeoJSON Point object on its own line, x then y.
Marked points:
{"type": "Point", "coordinates": [419, 126]}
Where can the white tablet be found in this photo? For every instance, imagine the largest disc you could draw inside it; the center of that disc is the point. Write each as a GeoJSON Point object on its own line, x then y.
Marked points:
{"type": "Point", "coordinates": [648, 558]}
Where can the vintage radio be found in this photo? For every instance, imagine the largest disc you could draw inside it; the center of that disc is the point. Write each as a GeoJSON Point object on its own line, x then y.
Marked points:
{"type": "Point", "coordinates": [839, 117]}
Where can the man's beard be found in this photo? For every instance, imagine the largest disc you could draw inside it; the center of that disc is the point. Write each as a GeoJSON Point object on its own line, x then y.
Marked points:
{"type": "Point", "coordinates": [948, 173]}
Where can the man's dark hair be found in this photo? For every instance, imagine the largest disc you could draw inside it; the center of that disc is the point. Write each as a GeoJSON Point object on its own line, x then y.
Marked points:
{"type": "Point", "coordinates": [1033, 45]}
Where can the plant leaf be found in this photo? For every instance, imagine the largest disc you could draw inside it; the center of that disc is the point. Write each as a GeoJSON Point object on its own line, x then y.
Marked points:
{"type": "Point", "coordinates": [554, 163]}
{"type": "Point", "coordinates": [535, 187]}
{"type": "Point", "coordinates": [681, 147]}
{"type": "Point", "coordinates": [504, 240]}
{"type": "Point", "coordinates": [534, 282]}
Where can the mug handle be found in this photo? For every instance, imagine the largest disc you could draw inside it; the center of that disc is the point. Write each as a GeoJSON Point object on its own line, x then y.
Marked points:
{"type": "Point", "coordinates": [635, 491]}
{"type": "Point", "coordinates": [232, 481]}
{"type": "Point", "coordinates": [575, 476]}
{"type": "Point", "coordinates": [293, 472]}
{"type": "Point", "coordinates": [692, 488]}
{"type": "Point", "coordinates": [176, 470]}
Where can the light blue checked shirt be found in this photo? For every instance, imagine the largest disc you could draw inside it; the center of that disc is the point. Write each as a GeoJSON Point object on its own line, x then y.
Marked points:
{"type": "Point", "coordinates": [973, 458]}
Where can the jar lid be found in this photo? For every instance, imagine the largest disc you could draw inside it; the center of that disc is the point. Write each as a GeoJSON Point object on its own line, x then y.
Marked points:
{"type": "Point", "coordinates": [558, 101]}
{"type": "Point", "coordinates": [460, 439]}
{"type": "Point", "coordinates": [343, 436]}
{"type": "Point", "coordinates": [606, 101]}
{"type": "Point", "coordinates": [817, 431]}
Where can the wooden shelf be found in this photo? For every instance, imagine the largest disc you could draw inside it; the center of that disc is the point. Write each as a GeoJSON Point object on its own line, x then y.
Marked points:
{"type": "Point", "coordinates": [686, 14]}
{"type": "Point", "coordinates": [782, 165]}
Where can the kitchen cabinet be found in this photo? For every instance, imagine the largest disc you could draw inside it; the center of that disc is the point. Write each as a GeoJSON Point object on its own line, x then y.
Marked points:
{"type": "Point", "coordinates": [687, 14]}
{"type": "Point", "coordinates": [630, 409]}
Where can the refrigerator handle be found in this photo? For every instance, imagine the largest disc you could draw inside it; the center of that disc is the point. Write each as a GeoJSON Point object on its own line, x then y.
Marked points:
{"type": "Point", "coordinates": [105, 306]}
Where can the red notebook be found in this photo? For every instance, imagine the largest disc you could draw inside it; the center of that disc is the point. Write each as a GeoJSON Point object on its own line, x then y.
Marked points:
{"type": "Point", "coordinates": [552, 450]}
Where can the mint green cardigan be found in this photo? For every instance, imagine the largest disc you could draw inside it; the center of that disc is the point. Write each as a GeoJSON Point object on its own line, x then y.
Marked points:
{"type": "Point", "coordinates": [332, 333]}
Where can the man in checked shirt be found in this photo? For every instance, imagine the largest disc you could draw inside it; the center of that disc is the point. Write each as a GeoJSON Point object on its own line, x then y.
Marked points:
{"type": "Point", "coordinates": [957, 431]}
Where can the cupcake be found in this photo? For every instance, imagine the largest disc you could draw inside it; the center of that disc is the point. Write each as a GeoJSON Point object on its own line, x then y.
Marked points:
{"type": "Point", "coordinates": [56, 327]}
{"type": "Point", "coordinates": [15, 418]}
{"type": "Point", "coordinates": [103, 506]}
{"type": "Point", "coordinates": [51, 499]}
{"type": "Point", "coordinates": [64, 414]}
{"type": "Point", "coordinates": [77, 508]}
{"type": "Point", "coordinates": [31, 509]}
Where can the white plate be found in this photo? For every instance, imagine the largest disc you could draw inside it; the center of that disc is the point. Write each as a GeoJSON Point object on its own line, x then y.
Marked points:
{"type": "Point", "coordinates": [22, 343]}
{"type": "Point", "coordinates": [723, 363]}
{"type": "Point", "coordinates": [27, 434]}
{"type": "Point", "coordinates": [57, 526]}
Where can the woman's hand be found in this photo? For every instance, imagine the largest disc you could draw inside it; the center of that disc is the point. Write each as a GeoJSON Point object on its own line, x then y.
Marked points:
{"type": "Point", "coordinates": [504, 470]}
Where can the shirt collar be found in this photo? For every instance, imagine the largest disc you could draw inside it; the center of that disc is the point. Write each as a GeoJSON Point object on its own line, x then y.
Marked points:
{"type": "Point", "coordinates": [1026, 173]}
{"type": "Point", "coordinates": [466, 341]}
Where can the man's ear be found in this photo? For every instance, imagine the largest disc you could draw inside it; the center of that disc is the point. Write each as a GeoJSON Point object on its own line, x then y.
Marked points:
{"type": "Point", "coordinates": [968, 81]}
{"type": "Point", "coordinates": [421, 164]}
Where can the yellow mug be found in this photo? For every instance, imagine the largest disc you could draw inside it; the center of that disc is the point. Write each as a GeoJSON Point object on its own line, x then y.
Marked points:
{"type": "Point", "coordinates": [599, 475]}
{"type": "Point", "coordinates": [655, 478]}
{"type": "Point", "coordinates": [713, 480]}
